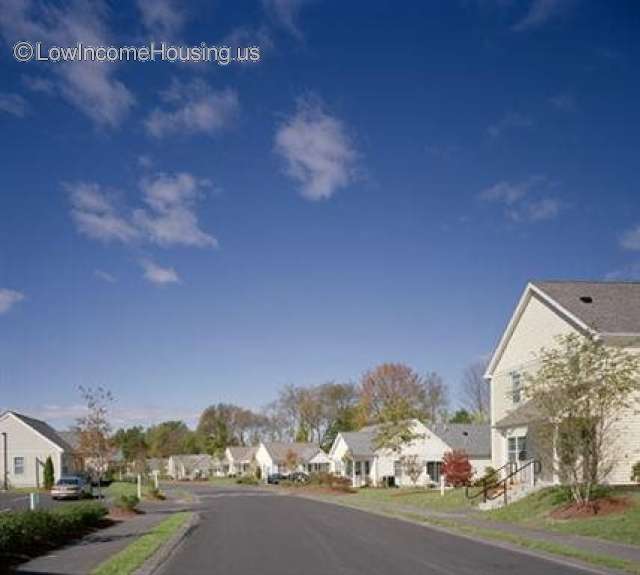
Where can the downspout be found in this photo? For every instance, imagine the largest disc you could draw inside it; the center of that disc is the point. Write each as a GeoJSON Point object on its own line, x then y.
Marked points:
{"type": "Point", "coordinates": [5, 459]}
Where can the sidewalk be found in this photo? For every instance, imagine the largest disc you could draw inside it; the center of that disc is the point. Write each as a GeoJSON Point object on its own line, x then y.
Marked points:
{"type": "Point", "coordinates": [81, 557]}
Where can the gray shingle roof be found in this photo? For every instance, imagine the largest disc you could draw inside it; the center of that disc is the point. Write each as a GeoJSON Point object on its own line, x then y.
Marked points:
{"type": "Point", "coordinates": [242, 454]}
{"type": "Point", "coordinates": [278, 450]}
{"type": "Point", "coordinates": [361, 443]}
{"type": "Point", "coordinates": [196, 461]}
{"type": "Point", "coordinates": [71, 437]}
{"type": "Point", "coordinates": [521, 415]}
{"type": "Point", "coordinates": [614, 306]}
{"type": "Point", "coordinates": [44, 429]}
{"type": "Point", "coordinates": [475, 439]}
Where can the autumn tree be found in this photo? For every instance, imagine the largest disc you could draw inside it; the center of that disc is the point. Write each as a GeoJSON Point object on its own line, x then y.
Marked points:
{"type": "Point", "coordinates": [456, 468]}
{"type": "Point", "coordinates": [291, 460]}
{"type": "Point", "coordinates": [133, 444]}
{"type": "Point", "coordinates": [170, 438]}
{"type": "Point", "coordinates": [476, 391]}
{"type": "Point", "coordinates": [580, 390]}
{"type": "Point", "coordinates": [94, 429]}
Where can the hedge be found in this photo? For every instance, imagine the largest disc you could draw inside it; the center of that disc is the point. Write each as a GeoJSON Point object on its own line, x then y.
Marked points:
{"type": "Point", "coordinates": [30, 533]}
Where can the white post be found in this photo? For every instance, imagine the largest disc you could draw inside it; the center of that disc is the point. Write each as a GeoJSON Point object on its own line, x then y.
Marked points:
{"type": "Point", "coordinates": [156, 482]}
{"type": "Point", "coordinates": [441, 485]}
{"type": "Point", "coordinates": [33, 501]}
{"type": "Point", "coordinates": [139, 486]}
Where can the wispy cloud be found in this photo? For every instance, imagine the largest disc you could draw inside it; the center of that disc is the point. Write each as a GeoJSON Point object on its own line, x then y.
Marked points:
{"type": "Point", "coordinates": [163, 19]}
{"type": "Point", "coordinates": [539, 13]}
{"type": "Point", "coordinates": [157, 274]}
{"type": "Point", "coordinates": [627, 273]}
{"type": "Point", "coordinates": [13, 104]}
{"type": "Point", "coordinates": [508, 122]}
{"type": "Point", "coordinates": [563, 102]}
{"type": "Point", "coordinates": [630, 239]}
{"type": "Point", "coordinates": [524, 201]}
{"type": "Point", "coordinates": [319, 155]}
{"type": "Point", "coordinates": [89, 86]}
{"type": "Point", "coordinates": [94, 212]}
{"type": "Point", "coordinates": [168, 219]}
{"type": "Point", "coordinates": [9, 298]}
{"type": "Point", "coordinates": [105, 276]}
{"type": "Point", "coordinates": [193, 107]}
{"type": "Point", "coordinates": [286, 13]}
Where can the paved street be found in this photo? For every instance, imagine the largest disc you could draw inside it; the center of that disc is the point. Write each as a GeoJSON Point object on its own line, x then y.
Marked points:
{"type": "Point", "coordinates": [243, 532]}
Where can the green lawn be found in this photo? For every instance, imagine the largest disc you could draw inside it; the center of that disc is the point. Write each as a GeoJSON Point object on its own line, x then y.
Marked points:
{"type": "Point", "coordinates": [453, 499]}
{"type": "Point", "coordinates": [118, 488]}
{"type": "Point", "coordinates": [533, 511]}
{"type": "Point", "coordinates": [133, 556]}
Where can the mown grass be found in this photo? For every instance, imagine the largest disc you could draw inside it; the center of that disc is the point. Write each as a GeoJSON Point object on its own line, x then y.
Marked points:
{"type": "Point", "coordinates": [533, 511]}
{"type": "Point", "coordinates": [133, 556]}
{"type": "Point", "coordinates": [119, 488]}
{"type": "Point", "coordinates": [453, 499]}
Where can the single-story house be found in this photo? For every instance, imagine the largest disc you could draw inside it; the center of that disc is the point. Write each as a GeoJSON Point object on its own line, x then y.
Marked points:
{"type": "Point", "coordinates": [25, 444]}
{"type": "Point", "coordinates": [354, 454]}
{"type": "Point", "coordinates": [281, 457]}
{"type": "Point", "coordinates": [239, 460]}
{"type": "Point", "coordinates": [113, 460]}
{"type": "Point", "coordinates": [157, 465]}
{"type": "Point", "coordinates": [609, 311]}
{"type": "Point", "coordinates": [196, 466]}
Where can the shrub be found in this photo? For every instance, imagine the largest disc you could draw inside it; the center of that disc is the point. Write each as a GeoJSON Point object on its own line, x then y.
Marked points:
{"type": "Point", "coordinates": [49, 475]}
{"type": "Point", "coordinates": [635, 472]}
{"type": "Point", "coordinates": [126, 502]}
{"type": "Point", "coordinates": [155, 493]}
{"type": "Point", "coordinates": [335, 482]}
{"type": "Point", "coordinates": [28, 533]}
{"type": "Point", "coordinates": [490, 476]}
{"type": "Point", "coordinates": [457, 468]}
{"type": "Point", "coordinates": [247, 480]}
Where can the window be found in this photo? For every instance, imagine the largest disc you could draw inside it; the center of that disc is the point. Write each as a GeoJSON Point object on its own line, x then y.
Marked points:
{"type": "Point", "coordinates": [367, 468]}
{"type": "Point", "coordinates": [517, 448]}
{"type": "Point", "coordinates": [397, 469]}
{"type": "Point", "coordinates": [18, 465]}
{"type": "Point", "coordinates": [516, 387]}
{"type": "Point", "coordinates": [434, 469]}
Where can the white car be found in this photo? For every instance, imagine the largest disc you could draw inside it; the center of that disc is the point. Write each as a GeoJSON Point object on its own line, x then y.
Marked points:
{"type": "Point", "coordinates": [70, 487]}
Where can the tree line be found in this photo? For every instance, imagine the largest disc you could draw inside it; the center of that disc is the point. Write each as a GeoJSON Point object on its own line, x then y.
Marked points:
{"type": "Point", "coordinates": [316, 413]}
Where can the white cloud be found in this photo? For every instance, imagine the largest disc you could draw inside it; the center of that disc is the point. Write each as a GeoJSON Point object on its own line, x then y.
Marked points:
{"type": "Point", "coordinates": [89, 86]}
{"type": "Point", "coordinates": [163, 19]}
{"type": "Point", "coordinates": [13, 104]}
{"type": "Point", "coordinates": [9, 298]}
{"type": "Point", "coordinates": [509, 121]}
{"type": "Point", "coordinates": [517, 201]}
{"type": "Point", "coordinates": [168, 219]}
{"type": "Point", "coordinates": [628, 273]}
{"type": "Point", "coordinates": [95, 214]}
{"type": "Point", "coordinates": [286, 12]}
{"type": "Point", "coordinates": [540, 12]}
{"type": "Point", "coordinates": [105, 276]}
{"type": "Point", "coordinates": [39, 84]}
{"type": "Point", "coordinates": [193, 107]}
{"type": "Point", "coordinates": [631, 239]}
{"type": "Point", "coordinates": [318, 152]}
{"type": "Point", "coordinates": [157, 274]}
{"type": "Point", "coordinates": [171, 218]}
{"type": "Point", "coordinates": [563, 102]}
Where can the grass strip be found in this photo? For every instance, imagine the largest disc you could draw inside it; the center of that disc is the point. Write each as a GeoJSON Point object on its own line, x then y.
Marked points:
{"type": "Point", "coordinates": [134, 555]}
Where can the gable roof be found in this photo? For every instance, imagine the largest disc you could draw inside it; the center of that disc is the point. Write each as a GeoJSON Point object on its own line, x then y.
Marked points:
{"type": "Point", "coordinates": [278, 450]}
{"type": "Point", "coordinates": [71, 437]}
{"type": "Point", "coordinates": [361, 443]}
{"type": "Point", "coordinates": [522, 415]}
{"type": "Point", "coordinates": [42, 428]}
{"type": "Point", "coordinates": [191, 462]}
{"type": "Point", "coordinates": [473, 438]}
{"type": "Point", "coordinates": [606, 307]}
{"type": "Point", "coordinates": [242, 454]}
{"type": "Point", "coordinates": [594, 308]}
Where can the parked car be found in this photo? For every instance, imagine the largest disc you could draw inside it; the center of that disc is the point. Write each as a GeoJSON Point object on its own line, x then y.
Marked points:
{"type": "Point", "coordinates": [275, 478]}
{"type": "Point", "coordinates": [299, 477]}
{"type": "Point", "coordinates": [70, 487]}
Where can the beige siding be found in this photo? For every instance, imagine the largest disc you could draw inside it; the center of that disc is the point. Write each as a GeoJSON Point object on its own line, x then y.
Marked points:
{"type": "Point", "coordinates": [24, 442]}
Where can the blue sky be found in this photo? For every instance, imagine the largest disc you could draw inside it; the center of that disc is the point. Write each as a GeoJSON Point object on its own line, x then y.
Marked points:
{"type": "Point", "coordinates": [379, 187]}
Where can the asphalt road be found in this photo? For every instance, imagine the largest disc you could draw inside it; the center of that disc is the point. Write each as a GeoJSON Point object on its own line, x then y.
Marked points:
{"type": "Point", "coordinates": [242, 532]}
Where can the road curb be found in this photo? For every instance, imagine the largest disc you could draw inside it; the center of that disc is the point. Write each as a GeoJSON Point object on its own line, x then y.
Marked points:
{"type": "Point", "coordinates": [154, 562]}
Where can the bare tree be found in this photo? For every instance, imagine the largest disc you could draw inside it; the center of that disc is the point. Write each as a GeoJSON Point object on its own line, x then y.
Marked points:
{"type": "Point", "coordinates": [94, 429]}
{"type": "Point", "coordinates": [476, 391]}
{"type": "Point", "coordinates": [412, 465]}
{"type": "Point", "coordinates": [437, 396]}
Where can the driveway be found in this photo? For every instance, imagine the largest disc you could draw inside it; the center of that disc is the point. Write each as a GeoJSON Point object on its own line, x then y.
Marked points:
{"type": "Point", "coordinates": [246, 531]}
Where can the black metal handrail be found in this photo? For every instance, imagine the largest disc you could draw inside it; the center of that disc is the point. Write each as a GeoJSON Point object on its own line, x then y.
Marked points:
{"type": "Point", "coordinates": [491, 481]}
{"type": "Point", "coordinates": [537, 467]}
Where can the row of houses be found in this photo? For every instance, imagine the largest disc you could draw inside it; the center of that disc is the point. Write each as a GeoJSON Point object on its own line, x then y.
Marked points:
{"type": "Point", "coordinates": [608, 311]}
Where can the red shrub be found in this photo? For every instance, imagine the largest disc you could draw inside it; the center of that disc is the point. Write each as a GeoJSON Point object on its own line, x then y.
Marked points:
{"type": "Point", "coordinates": [457, 468]}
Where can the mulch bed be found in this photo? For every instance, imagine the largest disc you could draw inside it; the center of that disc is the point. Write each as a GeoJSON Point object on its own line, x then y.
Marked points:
{"type": "Point", "coordinates": [119, 513]}
{"type": "Point", "coordinates": [597, 508]}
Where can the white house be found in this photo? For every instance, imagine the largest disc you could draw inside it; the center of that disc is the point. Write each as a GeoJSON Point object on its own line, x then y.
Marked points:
{"type": "Point", "coordinates": [25, 444]}
{"type": "Point", "coordinates": [609, 311]}
{"type": "Point", "coordinates": [354, 453]}
{"type": "Point", "coordinates": [239, 459]}
{"type": "Point", "coordinates": [277, 457]}
{"type": "Point", "coordinates": [196, 466]}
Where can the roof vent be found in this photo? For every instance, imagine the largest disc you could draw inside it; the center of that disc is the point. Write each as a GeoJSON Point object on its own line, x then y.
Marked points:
{"type": "Point", "coordinates": [586, 299]}
{"type": "Point", "coordinates": [465, 433]}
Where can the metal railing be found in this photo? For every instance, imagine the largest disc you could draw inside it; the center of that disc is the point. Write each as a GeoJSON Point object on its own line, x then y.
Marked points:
{"type": "Point", "coordinates": [493, 486]}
